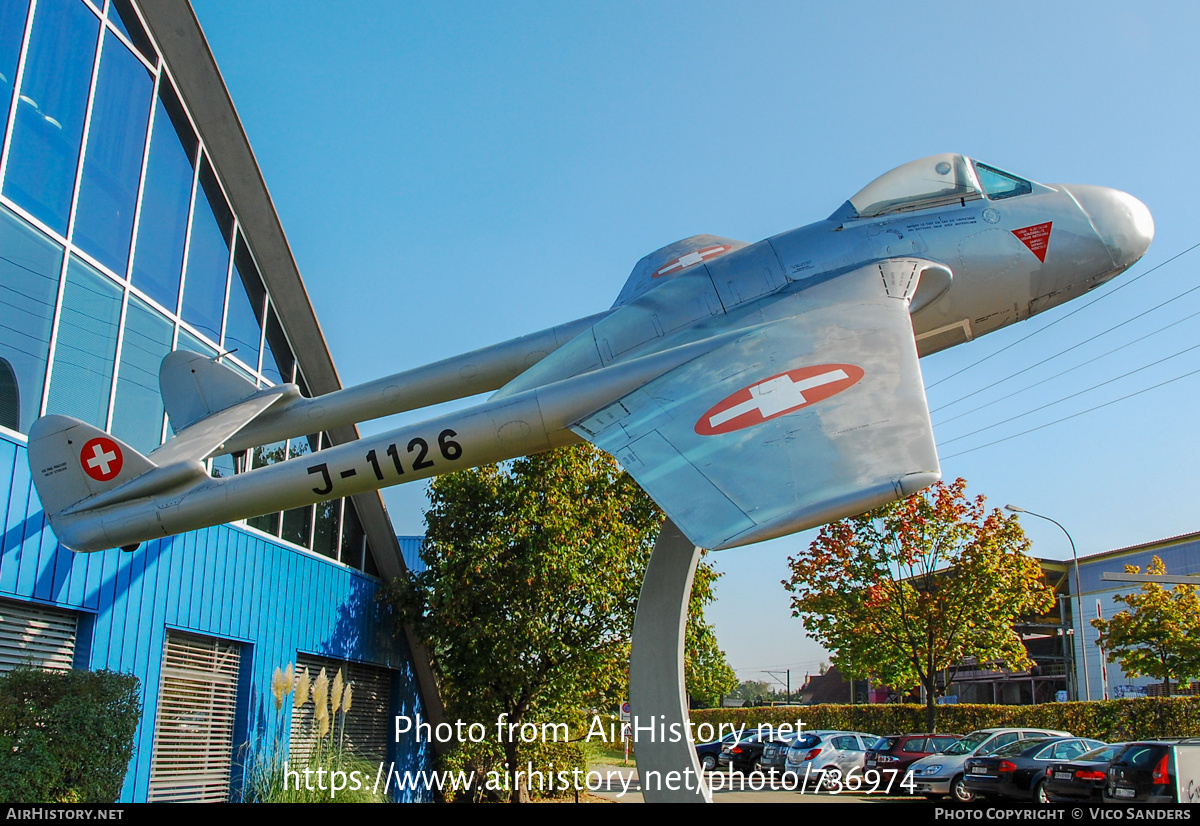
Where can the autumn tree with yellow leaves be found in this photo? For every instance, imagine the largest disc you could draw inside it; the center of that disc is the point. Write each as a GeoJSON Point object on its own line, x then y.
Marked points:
{"type": "Point", "coordinates": [1159, 636]}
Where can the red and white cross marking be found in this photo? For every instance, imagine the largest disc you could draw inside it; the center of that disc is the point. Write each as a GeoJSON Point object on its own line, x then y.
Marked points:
{"type": "Point", "coordinates": [101, 459]}
{"type": "Point", "coordinates": [693, 257]}
{"type": "Point", "coordinates": [776, 396]}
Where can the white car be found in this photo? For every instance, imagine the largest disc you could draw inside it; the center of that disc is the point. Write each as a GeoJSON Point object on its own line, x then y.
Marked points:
{"type": "Point", "coordinates": [942, 774]}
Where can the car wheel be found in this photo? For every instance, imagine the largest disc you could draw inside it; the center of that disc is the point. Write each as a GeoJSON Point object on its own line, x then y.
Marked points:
{"type": "Point", "coordinates": [1040, 795]}
{"type": "Point", "coordinates": [960, 792]}
{"type": "Point", "coordinates": [709, 762]}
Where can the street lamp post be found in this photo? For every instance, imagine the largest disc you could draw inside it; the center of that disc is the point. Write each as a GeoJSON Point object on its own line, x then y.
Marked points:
{"type": "Point", "coordinates": [1087, 684]}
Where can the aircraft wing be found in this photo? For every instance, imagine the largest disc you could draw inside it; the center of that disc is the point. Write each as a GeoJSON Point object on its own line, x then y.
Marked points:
{"type": "Point", "coordinates": [803, 420]}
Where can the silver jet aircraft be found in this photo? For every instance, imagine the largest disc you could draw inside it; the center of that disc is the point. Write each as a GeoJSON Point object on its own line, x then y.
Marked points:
{"type": "Point", "coordinates": [753, 390]}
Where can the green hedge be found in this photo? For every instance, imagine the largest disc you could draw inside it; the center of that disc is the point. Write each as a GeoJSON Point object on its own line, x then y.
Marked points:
{"type": "Point", "coordinates": [1109, 720]}
{"type": "Point", "coordinates": [66, 736]}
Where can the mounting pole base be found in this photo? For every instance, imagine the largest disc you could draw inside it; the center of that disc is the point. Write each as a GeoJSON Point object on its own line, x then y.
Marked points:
{"type": "Point", "coordinates": [657, 693]}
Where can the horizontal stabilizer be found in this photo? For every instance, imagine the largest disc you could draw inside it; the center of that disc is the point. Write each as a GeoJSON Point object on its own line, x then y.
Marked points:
{"type": "Point", "coordinates": [202, 439]}
{"type": "Point", "coordinates": [207, 403]}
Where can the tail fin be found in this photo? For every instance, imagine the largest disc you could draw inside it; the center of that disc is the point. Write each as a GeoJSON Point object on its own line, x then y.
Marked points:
{"type": "Point", "coordinates": [195, 387]}
{"type": "Point", "coordinates": [72, 461]}
{"type": "Point", "coordinates": [76, 467]}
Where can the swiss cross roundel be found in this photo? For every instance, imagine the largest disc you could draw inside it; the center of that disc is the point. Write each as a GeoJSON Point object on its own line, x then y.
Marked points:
{"type": "Point", "coordinates": [777, 396]}
{"type": "Point", "coordinates": [688, 259]}
{"type": "Point", "coordinates": [101, 459]}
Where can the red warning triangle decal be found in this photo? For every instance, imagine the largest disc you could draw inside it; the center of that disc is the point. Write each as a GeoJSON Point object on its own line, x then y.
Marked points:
{"type": "Point", "coordinates": [1036, 237]}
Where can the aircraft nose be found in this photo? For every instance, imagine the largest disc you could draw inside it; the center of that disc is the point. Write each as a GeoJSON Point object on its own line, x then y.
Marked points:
{"type": "Point", "coordinates": [1122, 221]}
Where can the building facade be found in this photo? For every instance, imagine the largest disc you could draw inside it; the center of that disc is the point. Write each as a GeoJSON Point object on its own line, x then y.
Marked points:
{"type": "Point", "coordinates": [134, 221]}
{"type": "Point", "coordinates": [1180, 556]}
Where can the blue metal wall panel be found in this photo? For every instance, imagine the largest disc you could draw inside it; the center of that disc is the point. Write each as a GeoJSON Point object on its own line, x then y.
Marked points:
{"type": "Point", "coordinates": [225, 582]}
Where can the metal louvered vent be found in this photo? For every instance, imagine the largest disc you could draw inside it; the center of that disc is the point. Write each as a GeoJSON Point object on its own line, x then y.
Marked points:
{"type": "Point", "coordinates": [193, 734]}
{"type": "Point", "coordinates": [37, 636]}
{"type": "Point", "coordinates": [365, 733]}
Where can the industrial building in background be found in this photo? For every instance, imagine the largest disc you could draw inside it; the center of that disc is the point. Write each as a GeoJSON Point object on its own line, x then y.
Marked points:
{"type": "Point", "coordinates": [134, 221]}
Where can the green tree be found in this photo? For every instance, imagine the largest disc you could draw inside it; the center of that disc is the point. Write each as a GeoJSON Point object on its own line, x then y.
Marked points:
{"type": "Point", "coordinates": [912, 589]}
{"type": "Point", "coordinates": [532, 580]}
{"type": "Point", "coordinates": [1159, 636]}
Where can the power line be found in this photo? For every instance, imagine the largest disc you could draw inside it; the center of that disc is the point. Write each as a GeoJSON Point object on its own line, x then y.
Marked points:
{"type": "Point", "coordinates": [1073, 395]}
{"type": "Point", "coordinates": [1073, 415]}
{"type": "Point", "coordinates": [1084, 306]}
{"type": "Point", "coordinates": [1068, 370]}
{"type": "Point", "coordinates": [1069, 349]}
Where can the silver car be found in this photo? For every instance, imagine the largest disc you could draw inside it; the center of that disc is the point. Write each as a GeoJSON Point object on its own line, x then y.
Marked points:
{"type": "Point", "coordinates": [814, 753]}
{"type": "Point", "coordinates": [942, 774]}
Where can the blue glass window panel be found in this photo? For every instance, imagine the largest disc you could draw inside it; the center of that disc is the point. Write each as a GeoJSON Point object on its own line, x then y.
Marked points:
{"type": "Point", "coordinates": [297, 524]}
{"type": "Point", "coordinates": [277, 356]}
{"type": "Point", "coordinates": [86, 348]}
{"type": "Point", "coordinates": [162, 229]}
{"type": "Point", "coordinates": [208, 258]}
{"type": "Point", "coordinates": [12, 32]}
{"type": "Point", "coordinates": [122, 15]}
{"type": "Point", "coordinates": [260, 457]}
{"type": "Point", "coordinates": [247, 302]}
{"type": "Point", "coordinates": [353, 537]}
{"type": "Point", "coordinates": [112, 161]}
{"type": "Point", "coordinates": [46, 138]}
{"type": "Point", "coordinates": [187, 341]}
{"type": "Point", "coordinates": [138, 408]}
{"type": "Point", "coordinates": [267, 523]}
{"type": "Point", "coordinates": [325, 528]}
{"type": "Point", "coordinates": [224, 466]}
{"type": "Point", "coordinates": [29, 267]}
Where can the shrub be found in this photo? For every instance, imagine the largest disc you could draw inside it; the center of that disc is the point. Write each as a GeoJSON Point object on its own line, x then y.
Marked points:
{"type": "Point", "coordinates": [486, 761]}
{"type": "Point", "coordinates": [66, 736]}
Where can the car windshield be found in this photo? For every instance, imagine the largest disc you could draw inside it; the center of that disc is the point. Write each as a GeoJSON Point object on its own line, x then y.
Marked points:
{"type": "Point", "coordinates": [884, 743]}
{"type": "Point", "coordinates": [968, 744]}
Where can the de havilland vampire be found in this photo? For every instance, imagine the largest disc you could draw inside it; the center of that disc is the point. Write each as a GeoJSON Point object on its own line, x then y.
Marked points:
{"type": "Point", "coordinates": [753, 390]}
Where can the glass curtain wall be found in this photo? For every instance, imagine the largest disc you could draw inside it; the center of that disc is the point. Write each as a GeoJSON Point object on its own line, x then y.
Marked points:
{"type": "Point", "coordinates": [118, 244]}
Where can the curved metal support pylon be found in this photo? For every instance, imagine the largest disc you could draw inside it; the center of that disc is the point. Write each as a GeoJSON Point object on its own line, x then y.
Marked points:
{"type": "Point", "coordinates": [657, 693]}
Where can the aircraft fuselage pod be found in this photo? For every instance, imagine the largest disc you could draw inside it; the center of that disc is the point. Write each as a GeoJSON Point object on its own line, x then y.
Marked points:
{"type": "Point", "coordinates": [753, 390]}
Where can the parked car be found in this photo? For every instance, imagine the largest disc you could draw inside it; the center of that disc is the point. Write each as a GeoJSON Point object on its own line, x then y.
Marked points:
{"type": "Point", "coordinates": [941, 774]}
{"type": "Point", "coordinates": [1018, 770]}
{"type": "Point", "coordinates": [827, 751]}
{"type": "Point", "coordinates": [774, 754]}
{"type": "Point", "coordinates": [710, 752]}
{"type": "Point", "coordinates": [896, 752]}
{"type": "Point", "coordinates": [1082, 779]}
{"type": "Point", "coordinates": [1142, 772]}
{"type": "Point", "coordinates": [744, 754]}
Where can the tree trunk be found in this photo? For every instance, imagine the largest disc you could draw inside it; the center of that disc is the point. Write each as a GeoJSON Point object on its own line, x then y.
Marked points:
{"type": "Point", "coordinates": [930, 705]}
{"type": "Point", "coordinates": [1167, 685]}
{"type": "Point", "coordinates": [518, 788]}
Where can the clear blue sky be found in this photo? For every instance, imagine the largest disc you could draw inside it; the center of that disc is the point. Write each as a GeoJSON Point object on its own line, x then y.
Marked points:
{"type": "Point", "coordinates": [461, 173]}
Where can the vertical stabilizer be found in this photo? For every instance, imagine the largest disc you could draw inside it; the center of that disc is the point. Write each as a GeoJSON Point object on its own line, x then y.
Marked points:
{"type": "Point", "coordinates": [72, 461]}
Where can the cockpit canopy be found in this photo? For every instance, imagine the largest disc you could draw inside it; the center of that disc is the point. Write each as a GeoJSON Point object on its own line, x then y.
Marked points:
{"type": "Point", "coordinates": [939, 180]}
